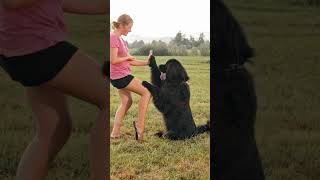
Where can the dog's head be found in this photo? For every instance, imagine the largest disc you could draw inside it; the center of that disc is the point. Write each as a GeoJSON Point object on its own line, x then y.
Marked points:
{"type": "Point", "coordinates": [229, 41]}
{"type": "Point", "coordinates": [173, 71]}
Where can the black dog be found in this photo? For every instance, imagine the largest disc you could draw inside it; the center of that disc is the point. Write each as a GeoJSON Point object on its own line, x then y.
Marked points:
{"type": "Point", "coordinates": [171, 96]}
{"type": "Point", "coordinates": [234, 151]}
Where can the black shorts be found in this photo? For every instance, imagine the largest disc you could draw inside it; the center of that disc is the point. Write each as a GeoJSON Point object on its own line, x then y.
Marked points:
{"type": "Point", "coordinates": [122, 82]}
{"type": "Point", "coordinates": [37, 68]}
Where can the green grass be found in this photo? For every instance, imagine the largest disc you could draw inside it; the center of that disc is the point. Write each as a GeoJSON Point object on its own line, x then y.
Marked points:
{"type": "Point", "coordinates": [16, 124]}
{"type": "Point", "coordinates": [287, 76]}
{"type": "Point", "coordinates": [157, 158]}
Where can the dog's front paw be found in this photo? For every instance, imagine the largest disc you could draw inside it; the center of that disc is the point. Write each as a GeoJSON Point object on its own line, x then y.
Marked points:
{"type": "Point", "coordinates": [152, 61]}
{"type": "Point", "coordinates": [145, 84]}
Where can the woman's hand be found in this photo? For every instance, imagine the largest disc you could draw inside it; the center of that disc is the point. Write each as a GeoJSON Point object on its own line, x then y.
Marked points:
{"type": "Point", "coordinates": [86, 6]}
{"type": "Point", "coordinates": [131, 58]}
{"type": "Point", "coordinates": [136, 62]}
{"type": "Point", "coordinates": [148, 60]}
{"type": "Point", "coordinates": [114, 59]}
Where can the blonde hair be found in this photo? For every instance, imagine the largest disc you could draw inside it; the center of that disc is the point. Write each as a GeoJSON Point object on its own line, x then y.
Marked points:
{"type": "Point", "coordinates": [124, 19]}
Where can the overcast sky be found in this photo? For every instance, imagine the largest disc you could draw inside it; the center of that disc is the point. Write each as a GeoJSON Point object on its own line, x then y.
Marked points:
{"type": "Point", "coordinates": [160, 18]}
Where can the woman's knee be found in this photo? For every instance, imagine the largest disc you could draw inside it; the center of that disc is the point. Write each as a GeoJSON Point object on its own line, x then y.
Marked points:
{"type": "Point", "coordinates": [146, 94]}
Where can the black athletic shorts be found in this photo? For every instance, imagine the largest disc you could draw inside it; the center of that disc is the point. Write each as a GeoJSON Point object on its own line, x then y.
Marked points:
{"type": "Point", "coordinates": [37, 68]}
{"type": "Point", "coordinates": [122, 82]}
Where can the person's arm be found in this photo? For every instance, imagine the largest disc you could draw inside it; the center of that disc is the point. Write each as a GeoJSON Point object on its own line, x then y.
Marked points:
{"type": "Point", "coordinates": [15, 4]}
{"type": "Point", "coordinates": [136, 62]}
{"type": "Point", "coordinates": [114, 59]}
{"type": "Point", "coordinates": [139, 63]}
{"type": "Point", "coordinates": [86, 6]}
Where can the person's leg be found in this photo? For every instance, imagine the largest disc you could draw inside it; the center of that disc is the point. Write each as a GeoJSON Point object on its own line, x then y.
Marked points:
{"type": "Point", "coordinates": [126, 102]}
{"type": "Point", "coordinates": [53, 128]}
{"type": "Point", "coordinates": [82, 78]}
{"type": "Point", "coordinates": [137, 87]}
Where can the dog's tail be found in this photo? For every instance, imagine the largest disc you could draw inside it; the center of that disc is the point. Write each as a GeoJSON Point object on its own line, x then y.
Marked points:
{"type": "Point", "coordinates": [202, 129]}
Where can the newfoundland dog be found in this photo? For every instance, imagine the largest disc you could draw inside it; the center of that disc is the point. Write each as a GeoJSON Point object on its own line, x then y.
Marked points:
{"type": "Point", "coordinates": [234, 151]}
{"type": "Point", "coordinates": [171, 96]}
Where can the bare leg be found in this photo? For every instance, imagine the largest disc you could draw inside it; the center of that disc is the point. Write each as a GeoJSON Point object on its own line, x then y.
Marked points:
{"type": "Point", "coordinates": [126, 102]}
{"type": "Point", "coordinates": [137, 87]}
{"type": "Point", "coordinates": [82, 78]}
{"type": "Point", "coordinates": [53, 128]}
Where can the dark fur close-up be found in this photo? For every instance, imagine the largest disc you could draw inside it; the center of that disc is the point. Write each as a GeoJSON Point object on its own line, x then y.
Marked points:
{"type": "Point", "coordinates": [234, 151]}
{"type": "Point", "coordinates": [171, 96]}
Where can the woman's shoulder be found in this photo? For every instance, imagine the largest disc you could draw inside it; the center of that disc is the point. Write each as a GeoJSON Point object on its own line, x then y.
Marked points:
{"type": "Point", "coordinates": [114, 37]}
{"type": "Point", "coordinates": [114, 40]}
{"type": "Point", "coordinates": [113, 34]}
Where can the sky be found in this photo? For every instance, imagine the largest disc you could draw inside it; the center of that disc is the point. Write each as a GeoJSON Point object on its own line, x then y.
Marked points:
{"type": "Point", "coordinates": [163, 18]}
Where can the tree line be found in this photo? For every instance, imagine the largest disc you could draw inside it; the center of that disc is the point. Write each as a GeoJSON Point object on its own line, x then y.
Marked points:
{"type": "Point", "coordinates": [178, 46]}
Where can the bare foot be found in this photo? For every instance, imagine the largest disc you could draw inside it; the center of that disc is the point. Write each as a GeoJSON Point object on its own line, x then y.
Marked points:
{"type": "Point", "coordinates": [115, 136]}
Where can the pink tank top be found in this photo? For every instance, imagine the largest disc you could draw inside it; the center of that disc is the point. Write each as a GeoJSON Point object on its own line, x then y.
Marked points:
{"type": "Point", "coordinates": [123, 69]}
{"type": "Point", "coordinates": [28, 30]}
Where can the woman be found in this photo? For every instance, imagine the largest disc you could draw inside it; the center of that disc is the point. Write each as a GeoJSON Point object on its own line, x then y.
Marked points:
{"type": "Point", "coordinates": [35, 53]}
{"type": "Point", "coordinates": [121, 78]}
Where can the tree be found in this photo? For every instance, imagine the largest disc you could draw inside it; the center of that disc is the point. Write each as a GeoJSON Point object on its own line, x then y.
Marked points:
{"type": "Point", "coordinates": [136, 44]}
{"type": "Point", "coordinates": [159, 49]}
{"type": "Point", "coordinates": [178, 39]}
{"type": "Point", "coordinates": [201, 39]}
{"type": "Point", "coordinates": [178, 46]}
{"type": "Point", "coordinates": [193, 42]}
{"type": "Point", "coordinates": [205, 48]}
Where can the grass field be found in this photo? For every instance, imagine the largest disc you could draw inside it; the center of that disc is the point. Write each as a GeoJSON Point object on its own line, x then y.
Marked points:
{"type": "Point", "coordinates": [286, 70]}
{"type": "Point", "coordinates": [157, 158]}
{"type": "Point", "coordinates": [16, 125]}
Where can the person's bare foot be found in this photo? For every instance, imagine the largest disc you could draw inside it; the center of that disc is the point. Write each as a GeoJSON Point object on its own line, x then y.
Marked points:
{"type": "Point", "coordinates": [115, 136]}
{"type": "Point", "coordinates": [115, 133]}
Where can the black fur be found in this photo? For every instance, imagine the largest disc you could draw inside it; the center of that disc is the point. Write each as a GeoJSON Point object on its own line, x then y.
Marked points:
{"type": "Point", "coordinates": [234, 151]}
{"type": "Point", "coordinates": [229, 41]}
{"type": "Point", "coordinates": [171, 97]}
